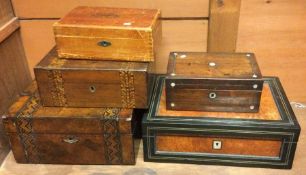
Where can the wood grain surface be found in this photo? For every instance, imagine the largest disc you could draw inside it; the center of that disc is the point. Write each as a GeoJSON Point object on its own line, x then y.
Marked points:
{"type": "Point", "coordinates": [229, 145]}
{"type": "Point", "coordinates": [223, 25]}
{"type": "Point", "coordinates": [267, 111]}
{"type": "Point", "coordinates": [50, 119]}
{"type": "Point", "coordinates": [198, 65]}
{"type": "Point", "coordinates": [8, 28]}
{"type": "Point", "coordinates": [229, 77]}
{"type": "Point", "coordinates": [79, 33]}
{"type": "Point", "coordinates": [276, 32]}
{"type": "Point", "coordinates": [58, 8]}
{"type": "Point", "coordinates": [103, 83]}
{"type": "Point", "coordinates": [69, 135]}
{"type": "Point", "coordinates": [14, 73]}
{"type": "Point", "coordinates": [89, 149]}
{"type": "Point", "coordinates": [6, 13]}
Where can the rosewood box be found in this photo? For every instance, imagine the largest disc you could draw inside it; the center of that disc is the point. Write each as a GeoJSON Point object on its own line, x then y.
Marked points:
{"type": "Point", "coordinates": [56, 135]}
{"type": "Point", "coordinates": [264, 139]}
{"type": "Point", "coordinates": [228, 82]}
{"type": "Point", "coordinates": [103, 33]}
{"type": "Point", "coordinates": [88, 83]}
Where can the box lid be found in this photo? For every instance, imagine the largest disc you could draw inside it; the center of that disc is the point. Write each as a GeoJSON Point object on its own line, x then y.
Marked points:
{"type": "Point", "coordinates": [90, 21]}
{"type": "Point", "coordinates": [110, 17]}
{"type": "Point", "coordinates": [27, 113]}
{"type": "Point", "coordinates": [275, 112]}
{"type": "Point", "coordinates": [52, 61]}
{"type": "Point", "coordinates": [213, 65]}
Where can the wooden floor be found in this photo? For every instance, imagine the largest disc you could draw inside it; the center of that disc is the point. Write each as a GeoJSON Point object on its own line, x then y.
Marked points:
{"type": "Point", "coordinates": [10, 167]}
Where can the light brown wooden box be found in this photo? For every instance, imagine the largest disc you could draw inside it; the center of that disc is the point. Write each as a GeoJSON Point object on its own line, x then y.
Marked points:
{"type": "Point", "coordinates": [101, 33]}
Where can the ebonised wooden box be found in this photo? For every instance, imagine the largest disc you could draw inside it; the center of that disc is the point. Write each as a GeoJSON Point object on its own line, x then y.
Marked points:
{"type": "Point", "coordinates": [56, 135]}
{"type": "Point", "coordinates": [224, 82]}
{"type": "Point", "coordinates": [104, 33]}
{"type": "Point", "coordinates": [264, 139]}
{"type": "Point", "coordinates": [88, 83]}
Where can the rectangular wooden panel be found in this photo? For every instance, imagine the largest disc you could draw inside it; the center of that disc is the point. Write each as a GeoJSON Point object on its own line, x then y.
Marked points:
{"type": "Point", "coordinates": [223, 25]}
{"type": "Point", "coordinates": [267, 110]}
{"type": "Point", "coordinates": [178, 35]}
{"type": "Point", "coordinates": [80, 120]}
{"type": "Point", "coordinates": [6, 12]}
{"type": "Point", "coordinates": [14, 72]}
{"type": "Point", "coordinates": [218, 145]}
{"type": "Point", "coordinates": [88, 149]}
{"type": "Point", "coordinates": [58, 8]}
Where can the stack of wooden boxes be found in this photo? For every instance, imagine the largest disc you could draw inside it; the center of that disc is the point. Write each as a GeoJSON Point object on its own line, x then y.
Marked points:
{"type": "Point", "coordinates": [216, 108]}
{"type": "Point", "coordinates": [88, 88]}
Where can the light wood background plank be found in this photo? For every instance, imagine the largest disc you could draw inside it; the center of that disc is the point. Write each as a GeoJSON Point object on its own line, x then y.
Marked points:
{"type": "Point", "coordinates": [223, 25]}
{"type": "Point", "coordinates": [15, 75]}
{"type": "Point", "coordinates": [58, 8]}
{"type": "Point", "coordinates": [276, 32]}
{"type": "Point", "coordinates": [6, 11]}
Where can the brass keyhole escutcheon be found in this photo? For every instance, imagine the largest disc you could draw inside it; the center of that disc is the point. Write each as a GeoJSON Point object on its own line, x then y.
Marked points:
{"type": "Point", "coordinates": [92, 89]}
{"type": "Point", "coordinates": [104, 43]}
{"type": "Point", "coordinates": [212, 95]}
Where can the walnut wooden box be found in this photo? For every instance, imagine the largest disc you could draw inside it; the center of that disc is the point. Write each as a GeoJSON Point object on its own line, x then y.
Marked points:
{"type": "Point", "coordinates": [87, 83]}
{"type": "Point", "coordinates": [103, 33]}
{"type": "Point", "coordinates": [55, 135]}
{"type": "Point", "coordinates": [201, 81]}
{"type": "Point", "coordinates": [264, 139]}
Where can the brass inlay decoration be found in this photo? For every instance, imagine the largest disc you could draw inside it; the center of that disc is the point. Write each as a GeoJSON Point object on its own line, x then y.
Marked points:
{"type": "Point", "coordinates": [127, 86]}
{"type": "Point", "coordinates": [56, 85]}
{"type": "Point", "coordinates": [25, 130]}
{"type": "Point", "coordinates": [57, 63]}
{"type": "Point", "coordinates": [112, 143]}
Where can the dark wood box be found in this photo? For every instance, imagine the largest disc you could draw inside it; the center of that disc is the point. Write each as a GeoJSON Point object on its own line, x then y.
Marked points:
{"type": "Point", "coordinates": [104, 33]}
{"type": "Point", "coordinates": [229, 82]}
{"type": "Point", "coordinates": [55, 135]}
{"type": "Point", "coordinates": [264, 139]}
{"type": "Point", "coordinates": [86, 83]}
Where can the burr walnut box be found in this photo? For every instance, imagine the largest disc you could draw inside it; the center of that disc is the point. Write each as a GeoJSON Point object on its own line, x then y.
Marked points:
{"type": "Point", "coordinates": [88, 83]}
{"type": "Point", "coordinates": [228, 82]}
{"type": "Point", "coordinates": [264, 139]}
{"type": "Point", "coordinates": [56, 135]}
{"type": "Point", "coordinates": [104, 33]}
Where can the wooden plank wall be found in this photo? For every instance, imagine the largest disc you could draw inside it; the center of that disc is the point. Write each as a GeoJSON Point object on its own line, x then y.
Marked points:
{"type": "Point", "coordinates": [6, 12]}
{"type": "Point", "coordinates": [14, 71]}
{"type": "Point", "coordinates": [274, 30]}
